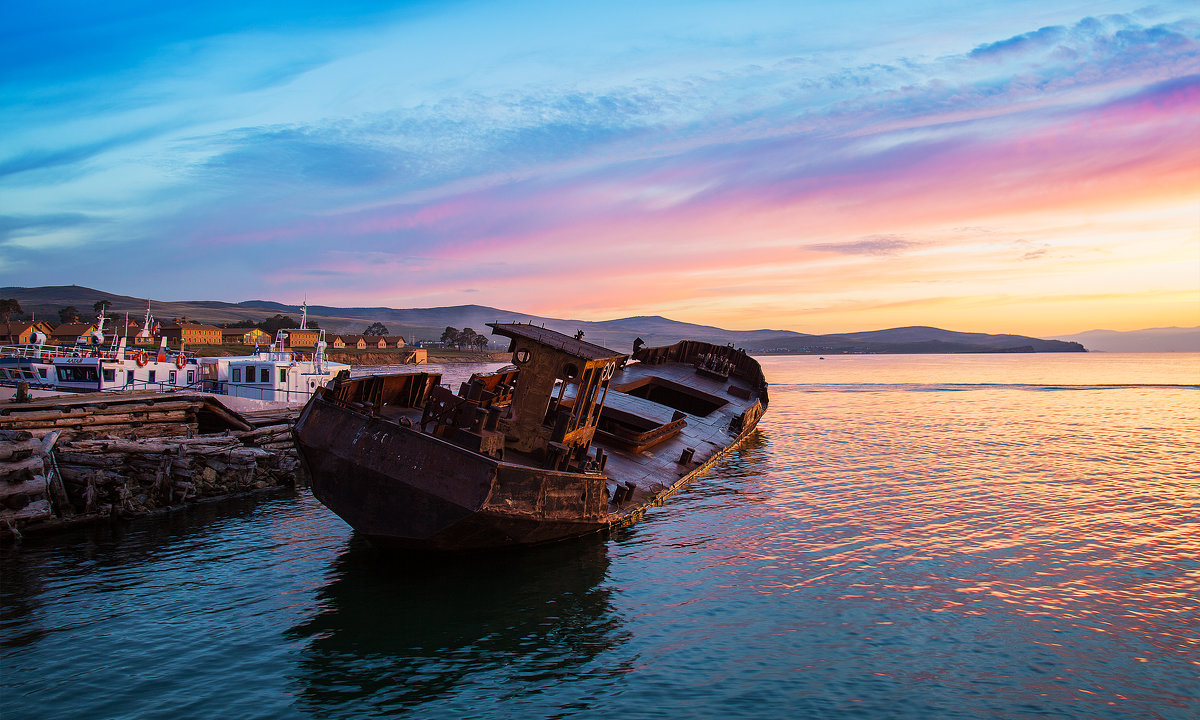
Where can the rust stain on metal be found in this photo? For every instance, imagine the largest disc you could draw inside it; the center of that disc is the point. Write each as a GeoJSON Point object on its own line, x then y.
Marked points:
{"type": "Point", "coordinates": [571, 439]}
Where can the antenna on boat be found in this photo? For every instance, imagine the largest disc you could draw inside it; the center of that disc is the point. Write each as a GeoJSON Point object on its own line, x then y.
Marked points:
{"type": "Point", "coordinates": [98, 333]}
{"type": "Point", "coordinates": [146, 330]}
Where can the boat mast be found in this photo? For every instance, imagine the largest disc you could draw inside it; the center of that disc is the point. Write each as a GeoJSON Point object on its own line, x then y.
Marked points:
{"type": "Point", "coordinates": [146, 331]}
{"type": "Point", "coordinates": [98, 333]}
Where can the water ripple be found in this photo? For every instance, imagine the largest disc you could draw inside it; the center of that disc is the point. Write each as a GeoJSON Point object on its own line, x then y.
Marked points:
{"type": "Point", "coordinates": [1021, 548]}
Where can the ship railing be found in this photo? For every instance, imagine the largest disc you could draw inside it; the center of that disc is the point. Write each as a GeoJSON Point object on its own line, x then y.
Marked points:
{"type": "Point", "coordinates": [44, 351]}
{"type": "Point", "coordinates": [252, 392]}
{"type": "Point", "coordinates": [155, 385]}
{"type": "Point", "coordinates": [35, 384]}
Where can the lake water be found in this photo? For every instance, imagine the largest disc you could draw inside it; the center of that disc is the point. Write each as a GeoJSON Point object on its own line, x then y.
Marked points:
{"type": "Point", "coordinates": [985, 536]}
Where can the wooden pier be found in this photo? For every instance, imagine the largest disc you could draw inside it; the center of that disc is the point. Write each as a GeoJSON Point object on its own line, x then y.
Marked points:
{"type": "Point", "coordinates": [72, 459]}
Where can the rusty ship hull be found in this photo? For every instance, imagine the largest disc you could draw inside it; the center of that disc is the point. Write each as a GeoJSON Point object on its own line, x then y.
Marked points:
{"type": "Point", "coordinates": [588, 439]}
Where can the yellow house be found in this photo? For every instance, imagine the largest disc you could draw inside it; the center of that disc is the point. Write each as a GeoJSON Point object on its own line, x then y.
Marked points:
{"type": "Point", "coordinates": [21, 333]}
{"type": "Point", "coordinates": [303, 337]}
{"type": "Point", "coordinates": [71, 333]}
{"type": "Point", "coordinates": [121, 329]}
{"type": "Point", "coordinates": [193, 333]}
{"type": "Point", "coordinates": [244, 336]}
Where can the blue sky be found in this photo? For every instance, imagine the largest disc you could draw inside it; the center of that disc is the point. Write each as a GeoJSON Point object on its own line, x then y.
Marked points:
{"type": "Point", "coordinates": [1023, 166]}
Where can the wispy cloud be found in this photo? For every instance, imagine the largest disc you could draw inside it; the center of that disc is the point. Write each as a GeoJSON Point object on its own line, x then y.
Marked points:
{"type": "Point", "coordinates": [12, 226]}
{"type": "Point", "coordinates": [875, 245]}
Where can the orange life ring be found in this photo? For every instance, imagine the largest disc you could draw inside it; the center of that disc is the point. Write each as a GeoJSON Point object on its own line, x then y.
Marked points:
{"type": "Point", "coordinates": [180, 361]}
{"type": "Point", "coordinates": [142, 358]}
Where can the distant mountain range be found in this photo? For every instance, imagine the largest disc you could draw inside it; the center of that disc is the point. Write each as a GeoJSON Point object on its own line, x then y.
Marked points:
{"type": "Point", "coordinates": [428, 324]}
{"type": "Point", "coordinates": [1169, 339]}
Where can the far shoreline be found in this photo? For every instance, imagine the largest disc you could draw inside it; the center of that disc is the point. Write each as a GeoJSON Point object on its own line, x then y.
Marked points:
{"type": "Point", "coordinates": [369, 357]}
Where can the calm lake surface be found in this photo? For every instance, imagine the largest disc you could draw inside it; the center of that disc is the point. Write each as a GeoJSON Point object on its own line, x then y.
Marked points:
{"type": "Point", "coordinates": [998, 536]}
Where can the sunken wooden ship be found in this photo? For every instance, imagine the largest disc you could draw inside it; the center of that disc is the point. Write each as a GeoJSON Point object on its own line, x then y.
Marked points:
{"type": "Point", "coordinates": [571, 439]}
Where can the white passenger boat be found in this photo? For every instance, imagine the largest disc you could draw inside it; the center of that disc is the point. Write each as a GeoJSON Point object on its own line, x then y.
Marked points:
{"type": "Point", "coordinates": [91, 367]}
{"type": "Point", "coordinates": [276, 374]}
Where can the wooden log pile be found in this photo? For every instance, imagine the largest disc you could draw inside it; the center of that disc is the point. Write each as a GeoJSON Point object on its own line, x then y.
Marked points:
{"type": "Point", "coordinates": [91, 468]}
{"type": "Point", "coordinates": [133, 477]}
{"type": "Point", "coordinates": [25, 489]}
{"type": "Point", "coordinates": [129, 415]}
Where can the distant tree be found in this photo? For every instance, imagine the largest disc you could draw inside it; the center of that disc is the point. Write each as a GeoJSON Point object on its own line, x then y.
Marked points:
{"type": "Point", "coordinates": [466, 338]}
{"type": "Point", "coordinates": [101, 306]}
{"type": "Point", "coordinates": [69, 314]}
{"type": "Point", "coordinates": [277, 322]}
{"type": "Point", "coordinates": [481, 341]}
{"type": "Point", "coordinates": [450, 336]}
{"type": "Point", "coordinates": [10, 307]}
{"type": "Point", "coordinates": [243, 324]}
{"type": "Point", "coordinates": [376, 329]}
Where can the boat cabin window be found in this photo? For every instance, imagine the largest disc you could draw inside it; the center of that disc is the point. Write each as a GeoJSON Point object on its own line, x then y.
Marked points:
{"type": "Point", "coordinates": [237, 375]}
{"type": "Point", "coordinates": [150, 376]}
{"type": "Point", "coordinates": [171, 377]}
{"type": "Point", "coordinates": [76, 373]}
{"type": "Point", "coordinates": [282, 375]}
{"type": "Point", "coordinates": [42, 372]}
{"type": "Point", "coordinates": [110, 375]}
{"type": "Point", "coordinates": [191, 376]}
{"type": "Point", "coordinates": [674, 395]}
{"type": "Point", "coordinates": [264, 375]}
{"type": "Point", "coordinates": [128, 377]}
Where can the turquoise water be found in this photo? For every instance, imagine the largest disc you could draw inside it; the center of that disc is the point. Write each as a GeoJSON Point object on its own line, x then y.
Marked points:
{"type": "Point", "coordinates": [904, 537]}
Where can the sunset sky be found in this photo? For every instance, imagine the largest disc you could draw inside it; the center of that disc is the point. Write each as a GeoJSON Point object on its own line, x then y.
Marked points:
{"type": "Point", "coordinates": [1025, 166]}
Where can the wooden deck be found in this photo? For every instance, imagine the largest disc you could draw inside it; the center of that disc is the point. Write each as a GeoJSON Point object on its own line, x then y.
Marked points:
{"type": "Point", "coordinates": [657, 472]}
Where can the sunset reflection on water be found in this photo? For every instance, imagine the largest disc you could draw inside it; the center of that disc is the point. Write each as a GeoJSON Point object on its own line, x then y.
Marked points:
{"type": "Point", "coordinates": [1028, 545]}
{"type": "Point", "coordinates": [904, 537]}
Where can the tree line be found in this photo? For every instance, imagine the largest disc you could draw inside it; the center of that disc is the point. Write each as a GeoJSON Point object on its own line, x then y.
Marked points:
{"type": "Point", "coordinates": [451, 337]}
{"type": "Point", "coordinates": [276, 322]}
{"type": "Point", "coordinates": [71, 314]}
{"type": "Point", "coordinates": [466, 337]}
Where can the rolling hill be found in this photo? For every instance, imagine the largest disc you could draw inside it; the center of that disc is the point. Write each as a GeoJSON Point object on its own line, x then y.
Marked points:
{"type": "Point", "coordinates": [1168, 339]}
{"type": "Point", "coordinates": [428, 324]}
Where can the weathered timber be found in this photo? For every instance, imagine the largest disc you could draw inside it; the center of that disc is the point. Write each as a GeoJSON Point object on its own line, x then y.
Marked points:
{"type": "Point", "coordinates": [21, 469]}
{"type": "Point", "coordinates": [33, 486]}
{"type": "Point", "coordinates": [35, 510]}
{"type": "Point", "coordinates": [23, 485]}
{"type": "Point", "coordinates": [82, 421]}
{"type": "Point", "coordinates": [79, 412]}
{"type": "Point", "coordinates": [89, 457]}
{"type": "Point", "coordinates": [19, 449]}
{"type": "Point", "coordinates": [91, 412]}
{"type": "Point", "coordinates": [265, 431]}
